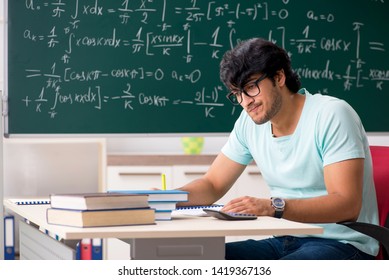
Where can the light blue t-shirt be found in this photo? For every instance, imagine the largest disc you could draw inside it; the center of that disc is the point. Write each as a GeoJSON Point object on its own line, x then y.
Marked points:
{"type": "Point", "coordinates": [329, 131]}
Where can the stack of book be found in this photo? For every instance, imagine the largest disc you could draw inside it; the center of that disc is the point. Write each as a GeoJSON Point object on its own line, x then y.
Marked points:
{"type": "Point", "coordinates": [100, 209]}
{"type": "Point", "coordinates": [163, 201]}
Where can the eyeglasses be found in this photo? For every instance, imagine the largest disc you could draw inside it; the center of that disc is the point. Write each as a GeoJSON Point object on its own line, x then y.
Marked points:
{"type": "Point", "coordinates": [250, 89]}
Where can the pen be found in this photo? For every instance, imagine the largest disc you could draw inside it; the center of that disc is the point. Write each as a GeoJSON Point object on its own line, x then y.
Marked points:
{"type": "Point", "coordinates": [163, 177]}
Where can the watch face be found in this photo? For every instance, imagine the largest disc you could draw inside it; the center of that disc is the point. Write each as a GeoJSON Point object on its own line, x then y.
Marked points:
{"type": "Point", "coordinates": [278, 202]}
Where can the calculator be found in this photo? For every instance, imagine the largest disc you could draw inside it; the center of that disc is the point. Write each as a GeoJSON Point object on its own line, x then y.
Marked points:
{"type": "Point", "coordinates": [229, 215]}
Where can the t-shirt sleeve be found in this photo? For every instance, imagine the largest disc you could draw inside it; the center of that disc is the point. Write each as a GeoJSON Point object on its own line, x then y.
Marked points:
{"type": "Point", "coordinates": [236, 148]}
{"type": "Point", "coordinates": [340, 132]}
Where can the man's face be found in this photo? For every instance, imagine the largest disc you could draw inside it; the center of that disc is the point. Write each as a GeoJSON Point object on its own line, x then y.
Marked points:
{"type": "Point", "coordinates": [264, 106]}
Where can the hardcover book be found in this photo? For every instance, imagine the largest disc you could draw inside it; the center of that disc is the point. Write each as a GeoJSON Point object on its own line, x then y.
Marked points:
{"type": "Point", "coordinates": [163, 205]}
{"type": "Point", "coordinates": [100, 218]}
{"type": "Point", "coordinates": [163, 215]}
{"type": "Point", "coordinates": [158, 195]}
{"type": "Point", "coordinates": [97, 201]}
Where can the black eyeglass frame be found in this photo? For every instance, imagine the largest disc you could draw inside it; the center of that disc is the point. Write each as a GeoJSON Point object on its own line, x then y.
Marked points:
{"type": "Point", "coordinates": [231, 94]}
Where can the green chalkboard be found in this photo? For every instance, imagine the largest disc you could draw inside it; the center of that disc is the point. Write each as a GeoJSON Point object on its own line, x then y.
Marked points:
{"type": "Point", "coordinates": [151, 66]}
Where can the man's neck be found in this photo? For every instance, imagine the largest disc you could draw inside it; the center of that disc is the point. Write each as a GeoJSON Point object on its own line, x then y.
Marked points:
{"type": "Point", "coordinates": [285, 122]}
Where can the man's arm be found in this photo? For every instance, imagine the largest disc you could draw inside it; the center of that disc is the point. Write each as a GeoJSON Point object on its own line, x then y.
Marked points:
{"type": "Point", "coordinates": [215, 183]}
{"type": "Point", "coordinates": [344, 183]}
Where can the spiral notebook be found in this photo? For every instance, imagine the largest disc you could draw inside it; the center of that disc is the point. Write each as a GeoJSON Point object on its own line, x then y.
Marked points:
{"type": "Point", "coordinates": [30, 201]}
{"type": "Point", "coordinates": [196, 210]}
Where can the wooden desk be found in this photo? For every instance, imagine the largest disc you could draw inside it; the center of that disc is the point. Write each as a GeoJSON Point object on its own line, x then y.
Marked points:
{"type": "Point", "coordinates": [180, 234]}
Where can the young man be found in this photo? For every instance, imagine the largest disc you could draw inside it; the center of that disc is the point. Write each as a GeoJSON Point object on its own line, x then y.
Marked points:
{"type": "Point", "coordinates": [312, 151]}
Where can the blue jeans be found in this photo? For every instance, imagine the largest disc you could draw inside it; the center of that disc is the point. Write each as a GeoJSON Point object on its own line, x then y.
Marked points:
{"type": "Point", "coordinates": [293, 248]}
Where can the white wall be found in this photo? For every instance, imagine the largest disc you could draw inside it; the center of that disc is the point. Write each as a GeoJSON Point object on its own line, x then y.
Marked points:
{"type": "Point", "coordinates": [159, 145]}
{"type": "Point", "coordinates": [39, 167]}
{"type": "Point", "coordinates": [172, 145]}
{"type": "Point", "coordinates": [378, 139]}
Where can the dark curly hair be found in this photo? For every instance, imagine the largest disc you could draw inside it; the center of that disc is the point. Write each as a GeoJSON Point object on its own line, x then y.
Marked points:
{"type": "Point", "coordinates": [256, 56]}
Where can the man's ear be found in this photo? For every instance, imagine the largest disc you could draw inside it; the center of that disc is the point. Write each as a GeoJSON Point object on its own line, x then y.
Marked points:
{"type": "Point", "coordinates": [280, 78]}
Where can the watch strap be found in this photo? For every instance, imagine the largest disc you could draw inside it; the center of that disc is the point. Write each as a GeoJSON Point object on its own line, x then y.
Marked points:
{"type": "Point", "coordinates": [278, 213]}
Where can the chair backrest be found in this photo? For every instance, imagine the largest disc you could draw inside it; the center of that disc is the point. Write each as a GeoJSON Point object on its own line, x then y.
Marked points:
{"type": "Point", "coordinates": [380, 157]}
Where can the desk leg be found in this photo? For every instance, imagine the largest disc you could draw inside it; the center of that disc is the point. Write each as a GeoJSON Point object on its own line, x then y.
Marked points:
{"type": "Point", "coordinates": [206, 248]}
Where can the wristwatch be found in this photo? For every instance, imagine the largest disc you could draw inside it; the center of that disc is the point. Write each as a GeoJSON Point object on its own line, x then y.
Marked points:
{"type": "Point", "coordinates": [278, 205]}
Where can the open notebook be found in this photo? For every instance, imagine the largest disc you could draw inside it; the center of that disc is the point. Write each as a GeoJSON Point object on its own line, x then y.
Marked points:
{"type": "Point", "coordinates": [29, 201]}
{"type": "Point", "coordinates": [195, 210]}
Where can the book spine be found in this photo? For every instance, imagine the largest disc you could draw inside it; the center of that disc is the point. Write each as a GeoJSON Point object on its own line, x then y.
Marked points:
{"type": "Point", "coordinates": [78, 251]}
{"type": "Point", "coordinates": [9, 238]}
{"type": "Point", "coordinates": [86, 249]}
{"type": "Point", "coordinates": [97, 249]}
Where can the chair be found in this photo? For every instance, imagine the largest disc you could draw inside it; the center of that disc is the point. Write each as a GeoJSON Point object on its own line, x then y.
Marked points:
{"type": "Point", "coordinates": [380, 157]}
